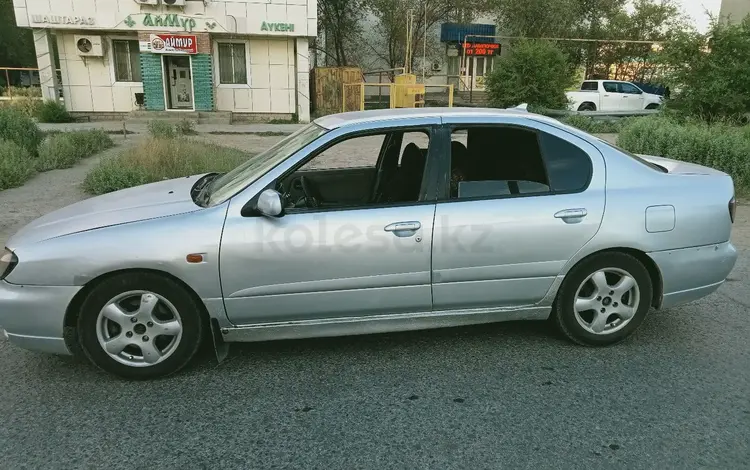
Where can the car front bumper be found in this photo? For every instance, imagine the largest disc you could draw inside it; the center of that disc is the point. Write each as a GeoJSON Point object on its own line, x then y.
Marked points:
{"type": "Point", "coordinates": [33, 316]}
{"type": "Point", "coordinates": [689, 274]}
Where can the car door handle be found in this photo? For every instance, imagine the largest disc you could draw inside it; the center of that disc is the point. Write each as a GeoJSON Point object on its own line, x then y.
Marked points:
{"type": "Point", "coordinates": [606, 96]}
{"type": "Point", "coordinates": [403, 227]}
{"type": "Point", "coordinates": [571, 214]}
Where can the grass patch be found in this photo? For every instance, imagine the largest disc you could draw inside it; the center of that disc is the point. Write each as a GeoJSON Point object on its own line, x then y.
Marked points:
{"type": "Point", "coordinates": [63, 150]}
{"type": "Point", "coordinates": [16, 165]}
{"type": "Point", "coordinates": [721, 146]}
{"type": "Point", "coordinates": [160, 159]}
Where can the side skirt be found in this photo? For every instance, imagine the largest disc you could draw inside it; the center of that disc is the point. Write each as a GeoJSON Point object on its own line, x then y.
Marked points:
{"type": "Point", "coordinates": [379, 324]}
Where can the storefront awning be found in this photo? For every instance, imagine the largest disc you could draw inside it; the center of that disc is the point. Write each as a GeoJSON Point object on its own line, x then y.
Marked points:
{"type": "Point", "coordinates": [458, 32]}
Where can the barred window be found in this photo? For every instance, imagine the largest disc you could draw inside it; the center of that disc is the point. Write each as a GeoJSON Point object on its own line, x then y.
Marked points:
{"type": "Point", "coordinates": [232, 64]}
{"type": "Point", "coordinates": [127, 61]}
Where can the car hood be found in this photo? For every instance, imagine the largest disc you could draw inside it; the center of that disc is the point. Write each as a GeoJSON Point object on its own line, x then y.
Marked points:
{"type": "Point", "coordinates": [128, 205]}
{"type": "Point", "coordinates": [680, 167]}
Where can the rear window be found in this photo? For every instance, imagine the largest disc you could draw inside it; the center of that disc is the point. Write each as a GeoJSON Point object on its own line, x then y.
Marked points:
{"type": "Point", "coordinates": [590, 86]}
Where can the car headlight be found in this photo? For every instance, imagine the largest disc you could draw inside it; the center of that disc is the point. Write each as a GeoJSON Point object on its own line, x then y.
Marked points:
{"type": "Point", "coordinates": [8, 261]}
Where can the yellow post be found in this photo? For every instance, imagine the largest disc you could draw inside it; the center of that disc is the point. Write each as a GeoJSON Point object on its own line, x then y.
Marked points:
{"type": "Point", "coordinates": [450, 96]}
{"type": "Point", "coordinates": [343, 98]}
{"type": "Point", "coordinates": [392, 91]}
{"type": "Point", "coordinates": [362, 96]}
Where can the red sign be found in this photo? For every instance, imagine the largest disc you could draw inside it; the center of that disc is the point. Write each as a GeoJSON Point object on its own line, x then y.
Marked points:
{"type": "Point", "coordinates": [173, 44]}
{"type": "Point", "coordinates": [475, 48]}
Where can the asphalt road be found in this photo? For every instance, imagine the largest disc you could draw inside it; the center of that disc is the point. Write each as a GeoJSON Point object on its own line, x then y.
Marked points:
{"type": "Point", "coordinates": [514, 395]}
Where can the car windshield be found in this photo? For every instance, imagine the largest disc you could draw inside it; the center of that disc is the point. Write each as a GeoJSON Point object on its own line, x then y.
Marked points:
{"type": "Point", "coordinates": [229, 184]}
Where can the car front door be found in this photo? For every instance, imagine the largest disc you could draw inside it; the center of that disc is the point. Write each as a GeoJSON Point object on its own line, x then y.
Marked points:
{"type": "Point", "coordinates": [632, 96]}
{"type": "Point", "coordinates": [611, 97]}
{"type": "Point", "coordinates": [337, 260]}
{"type": "Point", "coordinates": [529, 197]}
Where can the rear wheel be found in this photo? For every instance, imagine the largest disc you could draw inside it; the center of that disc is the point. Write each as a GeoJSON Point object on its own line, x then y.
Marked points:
{"type": "Point", "coordinates": [140, 326]}
{"type": "Point", "coordinates": [587, 107]}
{"type": "Point", "coordinates": [604, 299]}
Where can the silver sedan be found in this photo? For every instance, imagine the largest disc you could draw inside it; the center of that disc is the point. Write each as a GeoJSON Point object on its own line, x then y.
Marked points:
{"type": "Point", "coordinates": [372, 222]}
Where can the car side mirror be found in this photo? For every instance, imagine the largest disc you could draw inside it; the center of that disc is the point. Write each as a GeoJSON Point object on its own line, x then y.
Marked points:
{"type": "Point", "coordinates": [270, 203]}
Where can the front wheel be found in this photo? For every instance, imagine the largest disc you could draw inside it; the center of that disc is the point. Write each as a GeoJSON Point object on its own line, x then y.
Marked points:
{"type": "Point", "coordinates": [653, 106]}
{"type": "Point", "coordinates": [603, 299]}
{"type": "Point", "coordinates": [587, 107]}
{"type": "Point", "coordinates": [140, 326]}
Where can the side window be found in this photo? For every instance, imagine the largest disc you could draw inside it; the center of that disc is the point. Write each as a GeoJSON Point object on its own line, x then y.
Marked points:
{"type": "Point", "coordinates": [590, 86]}
{"type": "Point", "coordinates": [610, 87]}
{"type": "Point", "coordinates": [352, 153]}
{"type": "Point", "coordinates": [629, 89]}
{"type": "Point", "coordinates": [496, 161]}
{"type": "Point", "coordinates": [569, 168]}
{"type": "Point", "coordinates": [350, 173]}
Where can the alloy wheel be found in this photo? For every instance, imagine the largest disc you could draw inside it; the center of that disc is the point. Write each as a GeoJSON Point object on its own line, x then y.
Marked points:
{"type": "Point", "coordinates": [139, 328]}
{"type": "Point", "coordinates": [606, 301]}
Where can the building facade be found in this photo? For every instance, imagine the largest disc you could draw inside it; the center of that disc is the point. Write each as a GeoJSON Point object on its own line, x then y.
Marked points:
{"type": "Point", "coordinates": [117, 56]}
{"type": "Point", "coordinates": [735, 10]}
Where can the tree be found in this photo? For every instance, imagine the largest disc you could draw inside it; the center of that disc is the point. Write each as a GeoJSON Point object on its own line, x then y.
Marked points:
{"type": "Point", "coordinates": [537, 73]}
{"type": "Point", "coordinates": [340, 22]}
{"type": "Point", "coordinates": [16, 44]}
{"type": "Point", "coordinates": [709, 72]}
{"type": "Point", "coordinates": [391, 25]}
{"type": "Point", "coordinates": [536, 18]}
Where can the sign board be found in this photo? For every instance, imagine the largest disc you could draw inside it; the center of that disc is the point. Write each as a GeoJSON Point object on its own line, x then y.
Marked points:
{"type": "Point", "coordinates": [171, 44]}
{"type": "Point", "coordinates": [63, 20]}
{"type": "Point", "coordinates": [481, 49]}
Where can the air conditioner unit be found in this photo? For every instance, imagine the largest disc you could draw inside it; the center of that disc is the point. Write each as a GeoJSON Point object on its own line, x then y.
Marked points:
{"type": "Point", "coordinates": [174, 3]}
{"type": "Point", "coordinates": [436, 66]}
{"type": "Point", "coordinates": [89, 46]}
{"type": "Point", "coordinates": [147, 2]}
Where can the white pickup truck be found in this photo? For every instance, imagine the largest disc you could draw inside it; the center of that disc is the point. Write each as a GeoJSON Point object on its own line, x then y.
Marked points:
{"type": "Point", "coordinates": [611, 95]}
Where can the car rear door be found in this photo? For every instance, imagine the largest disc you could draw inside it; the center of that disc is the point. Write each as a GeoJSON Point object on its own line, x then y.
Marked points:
{"type": "Point", "coordinates": [612, 99]}
{"type": "Point", "coordinates": [504, 239]}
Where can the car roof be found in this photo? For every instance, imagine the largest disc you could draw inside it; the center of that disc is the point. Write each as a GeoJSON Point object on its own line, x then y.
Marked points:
{"type": "Point", "coordinates": [334, 121]}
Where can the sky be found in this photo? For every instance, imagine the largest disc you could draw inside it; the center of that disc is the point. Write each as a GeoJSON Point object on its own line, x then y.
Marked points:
{"type": "Point", "coordinates": [696, 9]}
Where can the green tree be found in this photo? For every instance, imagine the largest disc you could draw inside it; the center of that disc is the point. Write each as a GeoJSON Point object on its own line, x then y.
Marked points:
{"type": "Point", "coordinates": [16, 44]}
{"type": "Point", "coordinates": [536, 72]}
{"type": "Point", "coordinates": [340, 22]}
{"type": "Point", "coordinates": [709, 73]}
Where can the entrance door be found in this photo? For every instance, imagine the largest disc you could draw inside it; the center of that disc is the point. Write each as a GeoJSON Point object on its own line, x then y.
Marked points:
{"type": "Point", "coordinates": [179, 82]}
{"type": "Point", "coordinates": [479, 67]}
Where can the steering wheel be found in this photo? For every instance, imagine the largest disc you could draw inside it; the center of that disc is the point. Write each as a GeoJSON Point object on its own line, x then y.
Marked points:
{"type": "Point", "coordinates": [312, 193]}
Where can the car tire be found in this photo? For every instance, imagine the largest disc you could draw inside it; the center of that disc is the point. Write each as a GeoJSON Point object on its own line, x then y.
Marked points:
{"type": "Point", "coordinates": [587, 107]}
{"type": "Point", "coordinates": [140, 326]}
{"type": "Point", "coordinates": [595, 305]}
{"type": "Point", "coordinates": [653, 106]}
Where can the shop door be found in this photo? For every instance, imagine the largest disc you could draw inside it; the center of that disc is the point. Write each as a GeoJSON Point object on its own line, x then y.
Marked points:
{"type": "Point", "coordinates": [179, 82]}
{"type": "Point", "coordinates": [479, 67]}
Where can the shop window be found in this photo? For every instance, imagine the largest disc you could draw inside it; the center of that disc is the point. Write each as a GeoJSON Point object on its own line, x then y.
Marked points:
{"type": "Point", "coordinates": [232, 64]}
{"type": "Point", "coordinates": [127, 61]}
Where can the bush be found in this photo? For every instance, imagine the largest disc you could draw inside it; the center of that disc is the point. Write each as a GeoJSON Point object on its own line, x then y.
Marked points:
{"type": "Point", "coordinates": [160, 159]}
{"type": "Point", "coordinates": [721, 146]}
{"type": "Point", "coordinates": [19, 128]}
{"type": "Point", "coordinates": [185, 127]}
{"type": "Point", "coordinates": [161, 129]}
{"type": "Point", "coordinates": [594, 126]}
{"type": "Point", "coordinates": [535, 72]}
{"type": "Point", "coordinates": [52, 112]}
{"type": "Point", "coordinates": [708, 73]}
{"type": "Point", "coordinates": [16, 165]}
{"type": "Point", "coordinates": [28, 106]}
{"type": "Point", "coordinates": [65, 149]}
